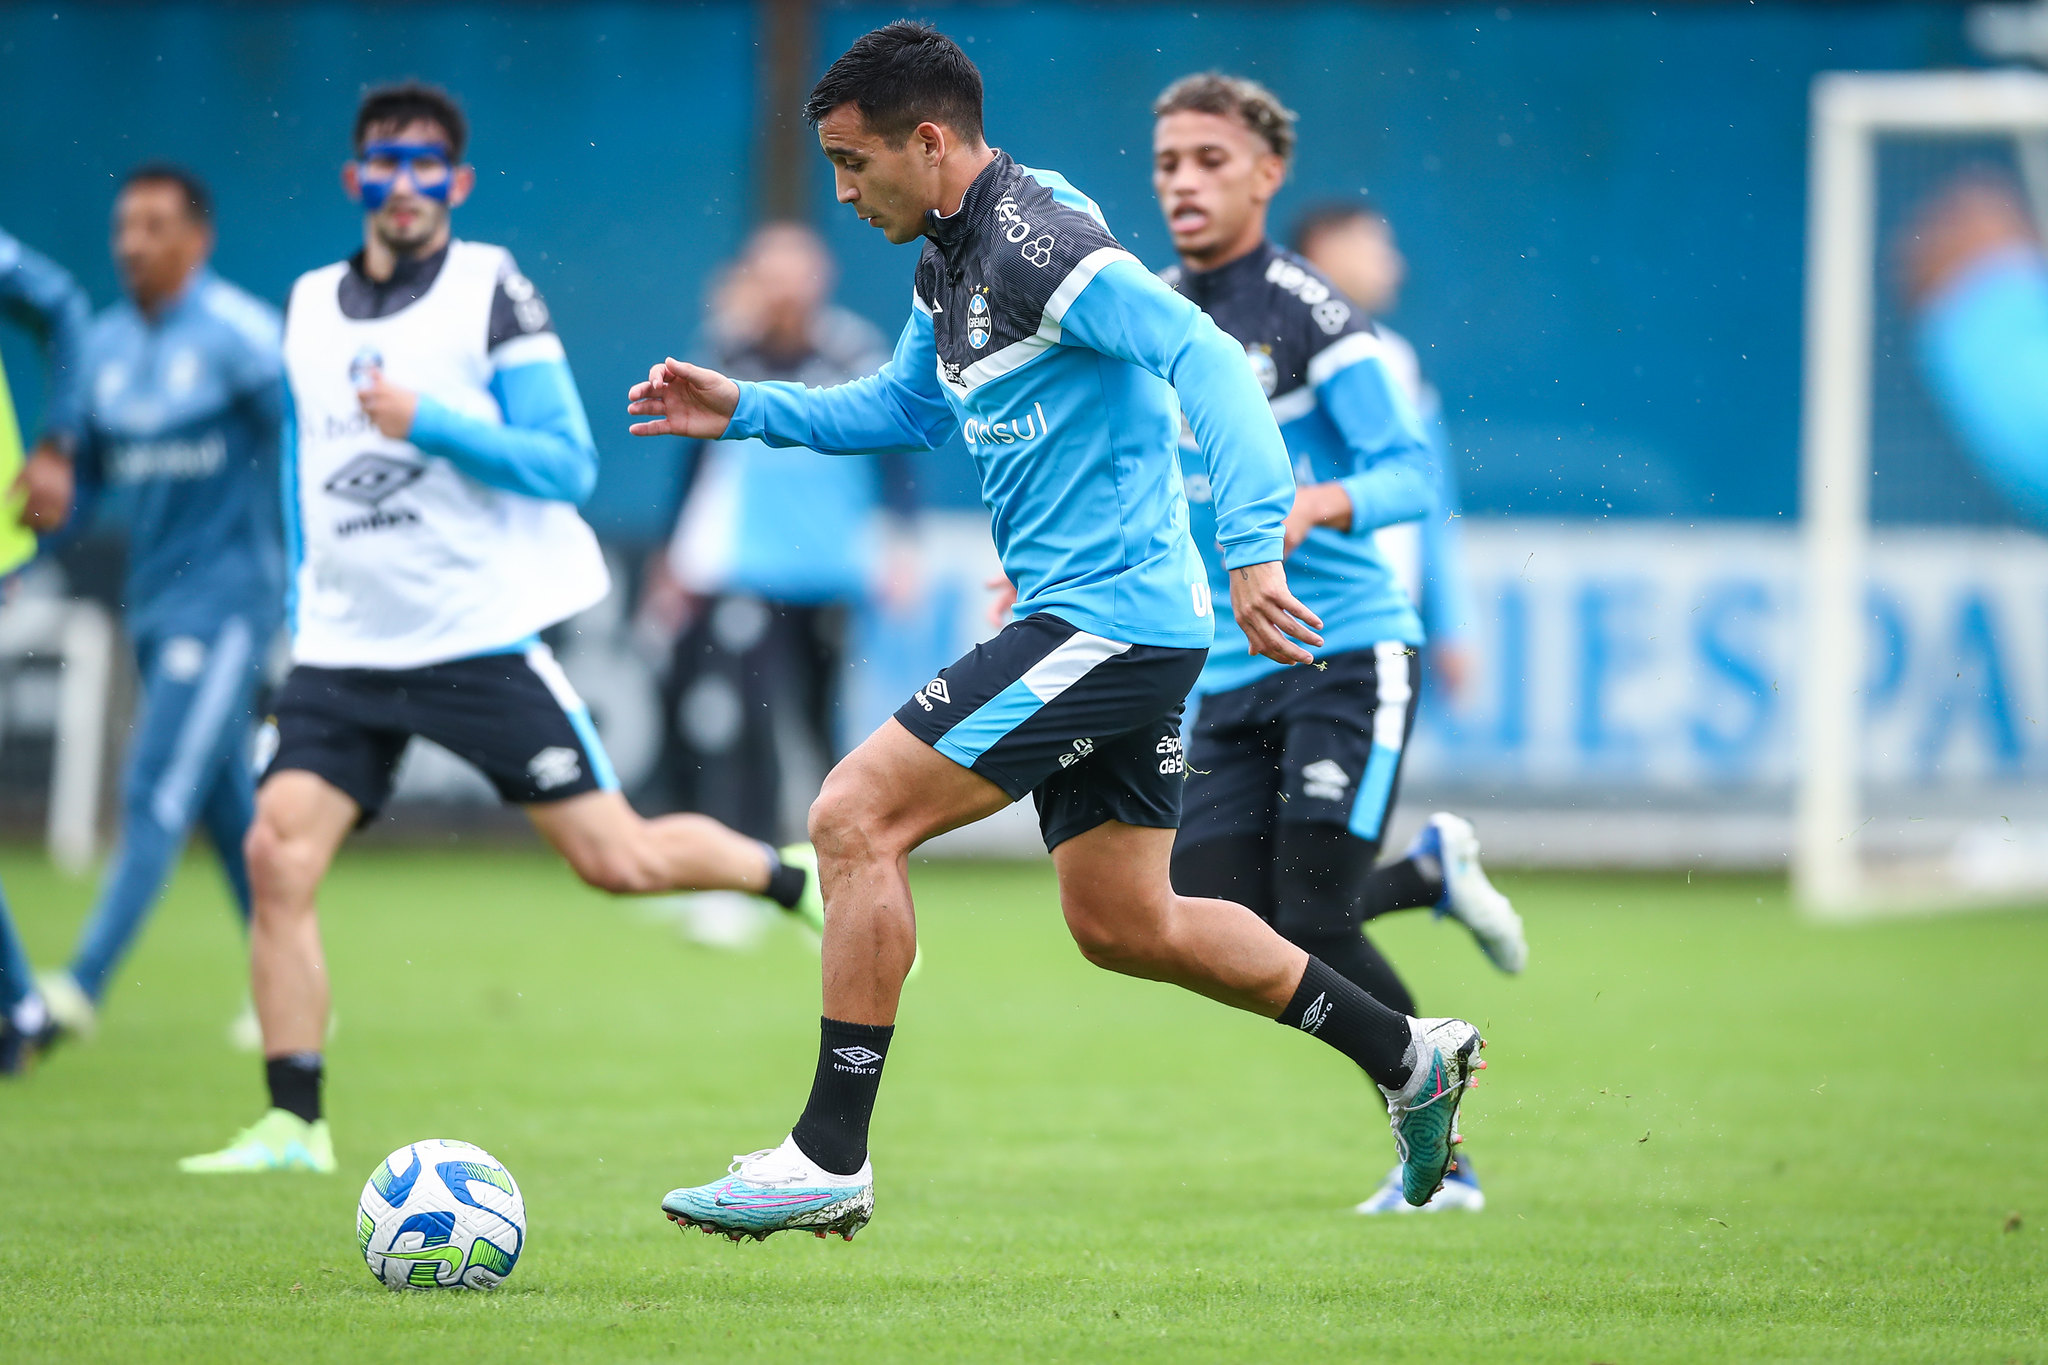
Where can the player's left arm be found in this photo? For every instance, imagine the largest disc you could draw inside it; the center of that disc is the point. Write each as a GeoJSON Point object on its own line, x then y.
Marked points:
{"type": "Point", "coordinates": [544, 448]}
{"type": "Point", "coordinates": [1124, 310]}
{"type": "Point", "coordinates": [1390, 479]}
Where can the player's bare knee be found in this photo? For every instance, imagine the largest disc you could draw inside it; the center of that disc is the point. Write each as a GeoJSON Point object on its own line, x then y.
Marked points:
{"type": "Point", "coordinates": [843, 822]}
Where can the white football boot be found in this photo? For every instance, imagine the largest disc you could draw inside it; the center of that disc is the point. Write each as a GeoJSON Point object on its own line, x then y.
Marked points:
{"type": "Point", "coordinates": [1469, 897]}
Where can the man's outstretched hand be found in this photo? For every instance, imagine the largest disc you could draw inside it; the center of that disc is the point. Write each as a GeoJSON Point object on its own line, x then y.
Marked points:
{"type": "Point", "coordinates": [1269, 615]}
{"type": "Point", "coordinates": [683, 400]}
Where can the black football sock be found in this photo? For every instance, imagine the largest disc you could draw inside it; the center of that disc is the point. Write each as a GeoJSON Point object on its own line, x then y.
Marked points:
{"type": "Point", "coordinates": [1354, 1023]}
{"type": "Point", "coordinates": [834, 1128]}
{"type": "Point", "coordinates": [1352, 956]}
{"type": "Point", "coordinates": [1406, 885]}
{"type": "Point", "coordinates": [1317, 872]}
{"type": "Point", "coordinates": [785, 882]}
{"type": "Point", "coordinates": [294, 1081]}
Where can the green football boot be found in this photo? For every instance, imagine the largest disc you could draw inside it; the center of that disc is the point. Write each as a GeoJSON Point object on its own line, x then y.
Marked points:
{"type": "Point", "coordinates": [810, 906]}
{"type": "Point", "coordinates": [279, 1141]}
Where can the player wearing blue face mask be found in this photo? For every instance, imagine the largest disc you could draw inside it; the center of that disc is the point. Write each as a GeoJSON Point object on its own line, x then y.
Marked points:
{"type": "Point", "coordinates": [435, 452]}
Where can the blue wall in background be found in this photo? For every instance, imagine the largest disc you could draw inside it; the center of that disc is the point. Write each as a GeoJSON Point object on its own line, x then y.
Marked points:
{"type": "Point", "coordinates": [1603, 205]}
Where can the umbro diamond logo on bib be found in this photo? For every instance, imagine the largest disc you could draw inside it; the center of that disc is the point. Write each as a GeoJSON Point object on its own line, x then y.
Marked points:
{"type": "Point", "coordinates": [369, 479]}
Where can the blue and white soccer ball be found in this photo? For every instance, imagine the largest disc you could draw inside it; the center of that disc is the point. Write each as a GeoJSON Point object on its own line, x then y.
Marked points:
{"type": "Point", "coordinates": [441, 1215]}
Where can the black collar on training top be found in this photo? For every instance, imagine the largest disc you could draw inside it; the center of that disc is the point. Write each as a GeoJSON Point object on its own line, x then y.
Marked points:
{"type": "Point", "coordinates": [1278, 306]}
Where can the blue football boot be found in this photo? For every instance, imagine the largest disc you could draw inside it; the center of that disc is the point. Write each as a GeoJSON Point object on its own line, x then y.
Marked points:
{"type": "Point", "coordinates": [778, 1189]}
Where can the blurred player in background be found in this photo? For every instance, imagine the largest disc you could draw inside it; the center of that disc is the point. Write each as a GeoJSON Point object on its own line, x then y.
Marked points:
{"type": "Point", "coordinates": [183, 400]}
{"type": "Point", "coordinates": [40, 295]}
{"type": "Point", "coordinates": [436, 454]}
{"type": "Point", "coordinates": [1292, 772]}
{"type": "Point", "coordinates": [1061, 358]}
{"type": "Point", "coordinates": [1353, 245]}
{"type": "Point", "coordinates": [771, 552]}
{"type": "Point", "coordinates": [1978, 276]}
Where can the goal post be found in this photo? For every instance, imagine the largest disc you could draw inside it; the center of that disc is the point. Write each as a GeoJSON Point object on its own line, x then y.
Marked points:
{"type": "Point", "coordinates": [1851, 112]}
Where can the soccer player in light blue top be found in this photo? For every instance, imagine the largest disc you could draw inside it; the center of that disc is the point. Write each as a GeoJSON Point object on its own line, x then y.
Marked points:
{"type": "Point", "coordinates": [37, 292]}
{"type": "Point", "coordinates": [1060, 359]}
{"type": "Point", "coordinates": [182, 405]}
{"type": "Point", "coordinates": [1293, 771]}
{"type": "Point", "coordinates": [1980, 278]}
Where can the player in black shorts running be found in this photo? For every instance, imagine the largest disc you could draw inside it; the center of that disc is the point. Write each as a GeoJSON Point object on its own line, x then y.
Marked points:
{"type": "Point", "coordinates": [1292, 771]}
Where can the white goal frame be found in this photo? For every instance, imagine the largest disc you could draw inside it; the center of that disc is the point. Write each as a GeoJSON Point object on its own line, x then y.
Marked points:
{"type": "Point", "coordinates": [1849, 111]}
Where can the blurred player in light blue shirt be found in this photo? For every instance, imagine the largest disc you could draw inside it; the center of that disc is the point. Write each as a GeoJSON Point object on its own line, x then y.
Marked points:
{"type": "Point", "coordinates": [36, 292]}
{"type": "Point", "coordinates": [1353, 244]}
{"type": "Point", "coordinates": [1979, 276]}
{"type": "Point", "coordinates": [182, 408]}
{"type": "Point", "coordinates": [772, 551]}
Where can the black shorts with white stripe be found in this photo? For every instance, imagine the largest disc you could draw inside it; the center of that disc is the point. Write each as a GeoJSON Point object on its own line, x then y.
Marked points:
{"type": "Point", "coordinates": [513, 715]}
{"type": "Point", "coordinates": [1088, 725]}
{"type": "Point", "coordinates": [1318, 745]}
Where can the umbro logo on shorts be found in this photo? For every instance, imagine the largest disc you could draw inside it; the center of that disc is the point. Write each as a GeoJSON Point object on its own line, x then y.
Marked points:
{"type": "Point", "coordinates": [1324, 781]}
{"type": "Point", "coordinates": [554, 766]}
{"type": "Point", "coordinates": [933, 691]}
{"type": "Point", "coordinates": [859, 1060]}
{"type": "Point", "coordinates": [1082, 748]}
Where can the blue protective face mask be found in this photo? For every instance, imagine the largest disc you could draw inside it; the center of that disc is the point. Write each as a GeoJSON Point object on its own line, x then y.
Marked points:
{"type": "Point", "coordinates": [428, 164]}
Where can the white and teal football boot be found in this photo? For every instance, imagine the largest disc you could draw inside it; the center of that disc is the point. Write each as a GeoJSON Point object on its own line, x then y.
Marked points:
{"type": "Point", "coordinates": [279, 1141]}
{"type": "Point", "coordinates": [1469, 898]}
{"type": "Point", "coordinates": [1424, 1112]}
{"type": "Point", "coordinates": [778, 1189]}
{"type": "Point", "coordinates": [68, 1004]}
{"type": "Point", "coordinates": [1460, 1191]}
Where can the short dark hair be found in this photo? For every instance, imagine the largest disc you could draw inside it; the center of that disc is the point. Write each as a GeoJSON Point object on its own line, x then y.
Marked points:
{"type": "Point", "coordinates": [901, 75]}
{"type": "Point", "coordinates": [1252, 104]}
{"type": "Point", "coordinates": [412, 102]}
{"type": "Point", "coordinates": [1331, 215]}
{"type": "Point", "coordinates": [198, 202]}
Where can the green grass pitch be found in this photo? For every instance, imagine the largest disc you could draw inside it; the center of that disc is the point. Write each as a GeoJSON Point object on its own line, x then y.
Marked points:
{"type": "Point", "coordinates": [1709, 1133]}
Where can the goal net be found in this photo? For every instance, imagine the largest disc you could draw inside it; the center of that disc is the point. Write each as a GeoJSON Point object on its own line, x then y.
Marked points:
{"type": "Point", "coordinates": [1923, 704]}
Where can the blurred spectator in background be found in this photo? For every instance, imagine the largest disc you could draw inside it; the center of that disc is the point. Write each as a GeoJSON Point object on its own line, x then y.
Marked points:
{"type": "Point", "coordinates": [37, 293]}
{"type": "Point", "coordinates": [1353, 244]}
{"type": "Point", "coordinates": [772, 549]}
{"type": "Point", "coordinates": [184, 406]}
{"type": "Point", "coordinates": [1977, 276]}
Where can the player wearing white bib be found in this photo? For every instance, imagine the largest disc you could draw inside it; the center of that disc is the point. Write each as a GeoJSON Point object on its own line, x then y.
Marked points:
{"type": "Point", "coordinates": [436, 452]}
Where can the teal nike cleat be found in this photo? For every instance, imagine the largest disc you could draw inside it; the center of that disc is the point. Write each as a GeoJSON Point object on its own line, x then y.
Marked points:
{"type": "Point", "coordinates": [279, 1141]}
{"type": "Point", "coordinates": [778, 1189]}
{"type": "Point", "coordinates": [1424, 1112]}
{"type": "Point", "coordinates": [809, 907]}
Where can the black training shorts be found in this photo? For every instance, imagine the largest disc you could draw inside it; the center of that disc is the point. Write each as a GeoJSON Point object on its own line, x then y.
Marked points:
{"type": "Point", "coordinates": [513, 715]}
{"type": "Point", "coordinates": [1317, 744]}
{"type": "Point", "coordinates": [1089, 726]}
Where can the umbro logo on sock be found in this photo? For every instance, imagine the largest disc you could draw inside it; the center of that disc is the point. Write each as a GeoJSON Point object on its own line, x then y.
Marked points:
{"type": "Point", "coordinates": [1317, 1013]}
{"type": "Point", "coordinates": [861, 1061]}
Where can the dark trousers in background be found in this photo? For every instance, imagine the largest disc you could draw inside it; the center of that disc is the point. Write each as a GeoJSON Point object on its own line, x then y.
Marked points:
{"type": "Point", "coordinates": [751, 704]}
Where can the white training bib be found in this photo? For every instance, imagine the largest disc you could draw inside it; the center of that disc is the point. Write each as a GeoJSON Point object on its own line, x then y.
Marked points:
{"type": "Point", "coordinates": [402, 560]}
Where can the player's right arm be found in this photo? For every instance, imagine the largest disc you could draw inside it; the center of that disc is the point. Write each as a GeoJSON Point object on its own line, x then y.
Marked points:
{"type": "Point", "coordinates": [1124, 310]}
{"type": "Point", "coordinates": [40, 294]}
{"type": "Point", "coordinates": [1984, 345]}
{"type": "Point", "coordinates": [899, 408]}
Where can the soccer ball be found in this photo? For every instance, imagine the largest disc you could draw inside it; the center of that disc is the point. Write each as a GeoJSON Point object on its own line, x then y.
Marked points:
{"type": "Point", "coordinates": [441, 1215]}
